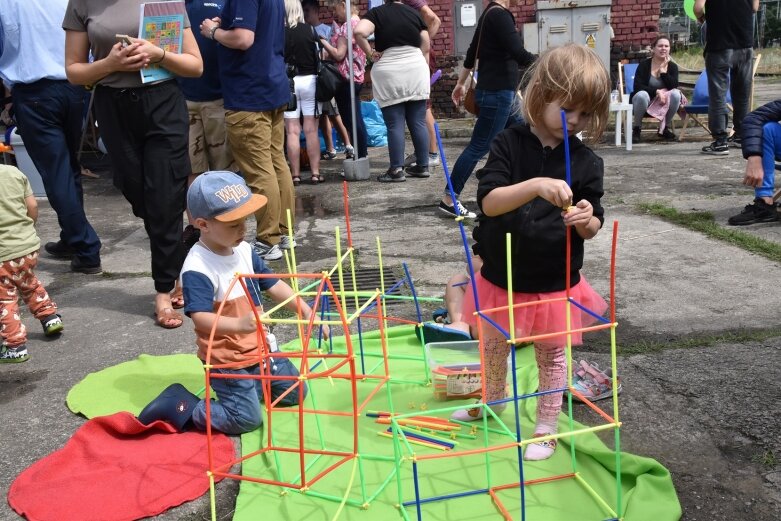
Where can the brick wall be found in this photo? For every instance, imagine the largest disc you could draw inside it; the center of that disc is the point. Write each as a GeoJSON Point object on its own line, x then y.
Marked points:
{"type": "Point", "coordinates": [635, 24]}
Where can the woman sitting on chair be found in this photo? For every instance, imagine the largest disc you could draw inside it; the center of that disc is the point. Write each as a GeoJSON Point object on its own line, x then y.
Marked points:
{"type": "Point", "coordinates": [656, 86]}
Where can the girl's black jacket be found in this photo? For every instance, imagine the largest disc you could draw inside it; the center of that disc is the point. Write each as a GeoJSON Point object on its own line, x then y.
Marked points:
{"type": "Point", "coordinates": [538, 233]}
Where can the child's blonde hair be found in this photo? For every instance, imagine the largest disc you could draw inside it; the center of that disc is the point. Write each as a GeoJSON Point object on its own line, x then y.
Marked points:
{"type": "Point", "coordinates": [572, 75]}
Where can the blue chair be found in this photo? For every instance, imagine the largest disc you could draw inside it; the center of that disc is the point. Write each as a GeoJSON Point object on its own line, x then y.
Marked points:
{"type": "Point", "coordinates": [630, 69]}
{"type": "Point", "coordinates": [698, 105]}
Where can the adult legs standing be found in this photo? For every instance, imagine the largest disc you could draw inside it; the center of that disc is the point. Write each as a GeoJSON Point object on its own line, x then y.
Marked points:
{"type": "Point", "coordinates": [741, 64]}
{"type": "Point", "coordinates": [145, 132]}
{"type": "Point", "coordinates": [717, 64]}
{"type": "Point", "coordinates": [343, 102]}
{"type": "Point", "coordinates": [49, 114]}
{"type": "Point", "coordinates": [496, 108]}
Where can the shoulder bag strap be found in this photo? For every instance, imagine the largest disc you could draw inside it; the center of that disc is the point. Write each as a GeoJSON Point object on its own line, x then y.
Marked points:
{"type": "Point", "coordinates": [479, 39]}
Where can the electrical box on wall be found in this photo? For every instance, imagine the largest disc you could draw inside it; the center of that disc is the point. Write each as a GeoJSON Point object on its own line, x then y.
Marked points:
{"type": "Point", "coordinates": [585, 22]}
{"type": "Point", "coordinates": [466, 13]}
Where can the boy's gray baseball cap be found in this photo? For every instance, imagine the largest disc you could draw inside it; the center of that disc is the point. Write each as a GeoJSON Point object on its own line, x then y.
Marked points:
{"type": "Point", "coordinates": [223, 196]}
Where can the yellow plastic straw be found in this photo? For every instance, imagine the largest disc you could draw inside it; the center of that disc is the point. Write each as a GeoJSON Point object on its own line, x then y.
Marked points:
{"type": "Point", "coordinates": [510, 310]}
{"type": "Point", "coordinates": [346, 492]}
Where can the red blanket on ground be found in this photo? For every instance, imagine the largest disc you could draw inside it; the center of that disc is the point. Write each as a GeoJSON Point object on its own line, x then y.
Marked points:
{"type": "Point", "coordinates": [115, 468]}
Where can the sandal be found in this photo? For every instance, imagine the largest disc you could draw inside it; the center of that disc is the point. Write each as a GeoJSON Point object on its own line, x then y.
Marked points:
{"type": "Point", "coordinates": [177, 298]}
{"type": "Point", "coordinates": [165, 316]}
{"type": "Point", "coordinates": [296, 180]}
{"type": "Point", "coordinates": [593, 383]}
{"type": "Point", "coordinates": [316, 179]}
{"type": "Point", "coordinates": [328, 155]}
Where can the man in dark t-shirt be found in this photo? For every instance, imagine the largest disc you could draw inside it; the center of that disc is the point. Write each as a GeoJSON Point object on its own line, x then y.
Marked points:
{"type": "Point", "coordinates": [728, 62]}
{"type": "Point", "coordinates": [255, 87]}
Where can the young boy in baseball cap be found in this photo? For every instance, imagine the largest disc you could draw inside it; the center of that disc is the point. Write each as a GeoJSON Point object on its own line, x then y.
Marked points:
{"type": "Point", "coordinates": [219, 203]}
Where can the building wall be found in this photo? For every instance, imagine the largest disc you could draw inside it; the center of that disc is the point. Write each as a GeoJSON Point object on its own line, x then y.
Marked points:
{"type": "Point", "coordinates": [635, 25]}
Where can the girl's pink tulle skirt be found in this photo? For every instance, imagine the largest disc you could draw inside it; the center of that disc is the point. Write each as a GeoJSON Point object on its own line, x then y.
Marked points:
{"type": "Point", "coordinates": [537, 319]}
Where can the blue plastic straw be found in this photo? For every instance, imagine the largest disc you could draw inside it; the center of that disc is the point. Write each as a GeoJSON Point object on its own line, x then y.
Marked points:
{"type": "Point", "coordinates": [412, 289]}
{"type": "Point", "coordinates": [566, 145]}
{"type": "Point", "coordinates": [417, 489]}
{"type": "Point", "coordinates": [587, 310]}
{"type": "Point", "coordinates": [445, 496]}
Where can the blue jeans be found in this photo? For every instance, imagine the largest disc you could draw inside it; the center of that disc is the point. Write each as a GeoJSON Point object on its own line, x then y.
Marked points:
{"type": "Point", "coordinates": [730, 67]}
{"type": "Point", "coordinates": [498, 110]}
{"type": "Point", "coordinates": [414, 113]}
{"type": "Point", "coordinates": [342, 98]}
{"type": "Point", "coordinates": [49, 114]}
{"type": "Point", "coordinates": [771, 151]}
{"type": "Point", "coordinates": [238, 408]}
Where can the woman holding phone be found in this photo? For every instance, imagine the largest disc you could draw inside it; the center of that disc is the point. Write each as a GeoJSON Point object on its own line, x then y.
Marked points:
{"type": "Point", "coordinates": [143, 125]}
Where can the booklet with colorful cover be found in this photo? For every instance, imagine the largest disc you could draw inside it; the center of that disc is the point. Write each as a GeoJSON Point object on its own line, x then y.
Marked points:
{"type": "Point", "coordinates": [162, 23]}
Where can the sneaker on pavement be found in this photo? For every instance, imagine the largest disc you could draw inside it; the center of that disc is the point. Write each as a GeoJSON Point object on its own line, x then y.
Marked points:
{"type": "Point", "coordinates": [417, 171]}
{"type": "Point", "coordinates": [13, 355]}
{"type": "Point", "coordinates": [433, 160]}
{"type": "Point", "coordinates": [286, 243]}
{"type": "Point", "coordinates": [717, 148]}
{"type": "Point", "coordinates": [267, 251]}
{"type": "Point", "coordinates": [328, 155]}
{"type": "Point", "coordinates": [59, 250]}
{"type": "Point", "coordinates": [393, 175]}
{"type": "Point", "coordinates": [79, 266]}
{"type": "Point", "coordinates": [459, 210]}
{"type": "Point", "coordinates": [735, 141]}
{"type": "Point", "coordinates": [757, 212]}
{"type": "Point", "coordinates": [349, 152]}
{"type": "Point", "coordinates": [52, 325]}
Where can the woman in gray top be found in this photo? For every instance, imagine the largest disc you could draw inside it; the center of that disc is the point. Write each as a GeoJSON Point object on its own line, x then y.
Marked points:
{"type": "Point", "coordinates": [143, 125]}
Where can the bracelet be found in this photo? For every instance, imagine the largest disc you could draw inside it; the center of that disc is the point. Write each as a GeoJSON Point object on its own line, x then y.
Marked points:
{"type": "Point", "coordinates": [213, 30]}
{"type": "Point", "coordinates": [161, 58]}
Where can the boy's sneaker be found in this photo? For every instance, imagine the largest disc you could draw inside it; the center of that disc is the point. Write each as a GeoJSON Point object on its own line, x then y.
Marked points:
{"type": "Point", "coordinates": [417, 171]}
{"type": "Point", "coordinates": [52, 325]}
{"type": "Point", "coordinates": [349, 152]}
{"type": "Point", "coordinates": [458, 210]}
{"type": "Point", "coordinates": [393, 175]}
{"type": "Point", "coordinates": [717, 148]}
{"type": "Point", "coordinates": [13, 355]}
{"type": "Point", "coordinates": [286, 243]}
{"type": "Point", "coordinates": [267, 251]}
{"type": "Point", "coordinates": [757, 212]}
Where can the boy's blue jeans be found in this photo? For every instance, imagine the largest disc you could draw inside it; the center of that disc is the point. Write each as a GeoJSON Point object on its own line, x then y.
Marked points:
{"type": "Point", "coordinates": [771, 151]}
{"type": "Point", "coordinates": [238, 408]}
{"type": "Point", "coordinates": [498, 110]}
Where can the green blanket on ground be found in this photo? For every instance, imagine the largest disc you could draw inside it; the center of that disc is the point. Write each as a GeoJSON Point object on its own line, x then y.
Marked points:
{"type": "Point", "coordinates": [647, 489]}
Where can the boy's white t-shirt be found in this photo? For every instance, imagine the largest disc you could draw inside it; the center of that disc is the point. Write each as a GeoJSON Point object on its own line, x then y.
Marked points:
{"type": "Point", "coordinates": [206, 282]}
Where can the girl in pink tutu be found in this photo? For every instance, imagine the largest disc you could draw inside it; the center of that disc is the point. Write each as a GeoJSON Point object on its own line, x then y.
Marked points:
{"type": "Point", "coordinates": [523, 191]}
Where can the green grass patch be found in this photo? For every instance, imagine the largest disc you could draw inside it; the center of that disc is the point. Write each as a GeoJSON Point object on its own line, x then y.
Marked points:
{"type": "Point", "coordinates": [696, 341]}
{"type": "Point", "coordinates": [704, 223]}
{"type": "Point", "coordinates": [767, 459]}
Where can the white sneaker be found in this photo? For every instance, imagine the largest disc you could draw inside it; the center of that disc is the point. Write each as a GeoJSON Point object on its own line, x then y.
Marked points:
{"type": "Point", "coordinates": [286, 243]}
{"type": "Point", "coordinates": [433, 160]}
{"type": "Point", "coordinates": [267, 251]}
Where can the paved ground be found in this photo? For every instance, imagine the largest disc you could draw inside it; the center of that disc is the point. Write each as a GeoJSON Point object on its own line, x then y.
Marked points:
{"type": "Point", "coordinates": [699, 317]}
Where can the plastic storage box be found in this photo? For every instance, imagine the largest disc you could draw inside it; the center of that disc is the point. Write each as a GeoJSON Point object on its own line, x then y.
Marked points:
{"type": "Point", "coordinates": [455, 369]}
{"type": "Point", "coordinates": [26, 165]}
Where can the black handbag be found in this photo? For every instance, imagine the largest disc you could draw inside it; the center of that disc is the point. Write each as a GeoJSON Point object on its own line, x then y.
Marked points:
{"type": "Point", "coordinates": [329, 79]}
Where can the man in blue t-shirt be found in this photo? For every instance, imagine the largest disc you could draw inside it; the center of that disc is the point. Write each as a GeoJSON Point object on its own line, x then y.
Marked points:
{"type": "Point", "coordinates": [256, 90]}
{"type": "Point", "coordinates": [208, 148]}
